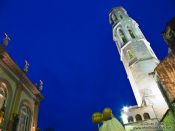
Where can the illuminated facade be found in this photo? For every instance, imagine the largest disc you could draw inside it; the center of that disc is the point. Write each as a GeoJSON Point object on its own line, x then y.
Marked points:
{"type": "Point", "coordinates": [139, 61]}
{"type": "Point", "coordinates": [19, 97]}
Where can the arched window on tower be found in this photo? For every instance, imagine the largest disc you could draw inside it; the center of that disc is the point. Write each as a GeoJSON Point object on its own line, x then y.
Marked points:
{"type": "Point", "coordinates": [131, 33]}
{"type": "Point", "coordinates": [121, 16]}
{"type": "Point", "coordinates": [138, 117]}
{"type": "Point", "coordinates": [114, 17]}
{"type": "Point", "coordinates": [24, 119]}
{"type": "Point", "coordinates": [122, 36]}
{"type": "Point", "coordinates": [146, 116]}
{"type": "Point", "coordinates": [130, 119]}
{"type": "Point", "coordinates": [130, 54]}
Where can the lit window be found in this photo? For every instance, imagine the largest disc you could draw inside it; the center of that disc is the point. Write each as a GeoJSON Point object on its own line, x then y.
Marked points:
{"type": "Point", "coordinates": [130, 54]}
{"type": "Point", "coordinates": [122, 36]}
{"type": "Point", "coordinates": [131, 33]}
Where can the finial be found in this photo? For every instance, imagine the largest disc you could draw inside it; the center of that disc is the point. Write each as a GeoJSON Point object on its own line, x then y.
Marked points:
{"type": "Point", "coordinates": [26, 67]}
{"type": "Point", "coordinates": [6, 40]}
{"type": "Point", "coordinates": [41, 85]}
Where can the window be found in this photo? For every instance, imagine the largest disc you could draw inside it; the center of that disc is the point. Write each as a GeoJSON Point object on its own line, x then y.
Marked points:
{"type": "Point", "coordinates": [146, 116]}
{"type": "Point", "coordinates": [24, 119]}
{"type": "Point", "coordinates": [114, 17]}
{"type": "Point", "coordinates": [131, 33]}
{"type": "Point", "coordinates": [122, 36]}
{"type": "Point", "coordinates": [138, 117]}
{"type": "Point", "coordinates": [121, 16]}
{"type": "Point", "coordinates": [130, 54]}
{"type": "Point", "coordinates": [130, 119]}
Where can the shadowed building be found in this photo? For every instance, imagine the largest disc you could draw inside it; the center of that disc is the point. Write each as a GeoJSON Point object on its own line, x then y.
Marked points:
{"type": "Point", "coordinates": [165, 71]}
{"type": "Point", "coordinates": [19, 97]}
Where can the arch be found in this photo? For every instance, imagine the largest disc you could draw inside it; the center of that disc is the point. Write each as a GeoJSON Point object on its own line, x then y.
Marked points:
{"type": "Point", "coordinates": [5, 99]}
{"type": "Point", "coordinates": [130, 119]}
{"type": "Point", "coordinates": [146, 116]}
{"type": "Point", "coordinates": [25, 116]}
{"type": "Point", "coordinates": [131, 33]}
{"type": "Point", "coordinates": [138, 117]}
{"type": "Point", "coordinates": [122, 36]}
{"type": "Point", "coordinates": [120, 15]}
{"type": "Point", "coordinates": [8, 90]}
{"type": "Point", "coordinates": [114, 17]}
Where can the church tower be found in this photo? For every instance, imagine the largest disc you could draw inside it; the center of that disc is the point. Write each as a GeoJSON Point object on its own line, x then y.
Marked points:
{"type": "Point", "coordinates": [139, 61]}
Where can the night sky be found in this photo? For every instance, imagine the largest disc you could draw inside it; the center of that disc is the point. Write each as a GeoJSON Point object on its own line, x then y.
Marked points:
{"type": "Point", "coordinates": [70, 47]}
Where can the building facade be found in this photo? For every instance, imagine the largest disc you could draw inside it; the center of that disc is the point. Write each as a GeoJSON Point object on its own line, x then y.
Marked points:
{"type": "Point", "coordinates": [139, 61]}
{"type": "Point", "coordinates": [166, 69]}
{"type": "Point", "coordinates": [165, 72]}
{"type": "Point", "coordinates": [19, 97]}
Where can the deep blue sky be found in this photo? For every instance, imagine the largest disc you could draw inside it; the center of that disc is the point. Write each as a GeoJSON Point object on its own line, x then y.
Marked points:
{"type": "Point", "coordinates": [69, 46]}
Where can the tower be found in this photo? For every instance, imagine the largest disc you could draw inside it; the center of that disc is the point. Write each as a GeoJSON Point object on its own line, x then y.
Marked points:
{"type": "Point", "coordinates": [139, 61]}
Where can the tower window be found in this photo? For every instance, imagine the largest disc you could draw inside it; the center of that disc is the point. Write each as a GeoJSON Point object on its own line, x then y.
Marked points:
{"type": "Point", "coordinates": [131, 33]}
{"type": "Point", "coordinates": [122, 36]}
{"type": "Point", "coordinates": [138, 117]}
{"type": "Point", "coordinates": [130, 119]}
{"type": "Point", "coordinates": [114, 17]}
{"type": "Point", "coordinates": [130, 54]}
{"type": "Point", "coordinates": [121, 16]}
{"type": "Point", "coordinates": [146, 116]}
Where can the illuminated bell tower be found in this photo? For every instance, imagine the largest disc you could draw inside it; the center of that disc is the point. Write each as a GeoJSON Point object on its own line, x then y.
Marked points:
{"type": "Point", "coordinates": [138, 59]}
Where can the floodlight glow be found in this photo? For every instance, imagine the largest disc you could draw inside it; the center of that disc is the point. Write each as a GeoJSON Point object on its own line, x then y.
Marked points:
{"type": "Point", "coordinates": [125, 109]}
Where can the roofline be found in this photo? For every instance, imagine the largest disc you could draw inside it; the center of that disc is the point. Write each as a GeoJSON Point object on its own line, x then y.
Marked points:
{"type": "Point", "coordinates": [4, 56]}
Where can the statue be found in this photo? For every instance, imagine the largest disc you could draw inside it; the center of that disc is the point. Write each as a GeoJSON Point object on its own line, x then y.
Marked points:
{"type": "Point", "coordinates": [6, 40]}
{"type": "Point", "coordinates": [41, 85]}
{"type": "Point", "coordinates": [26, 67]}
